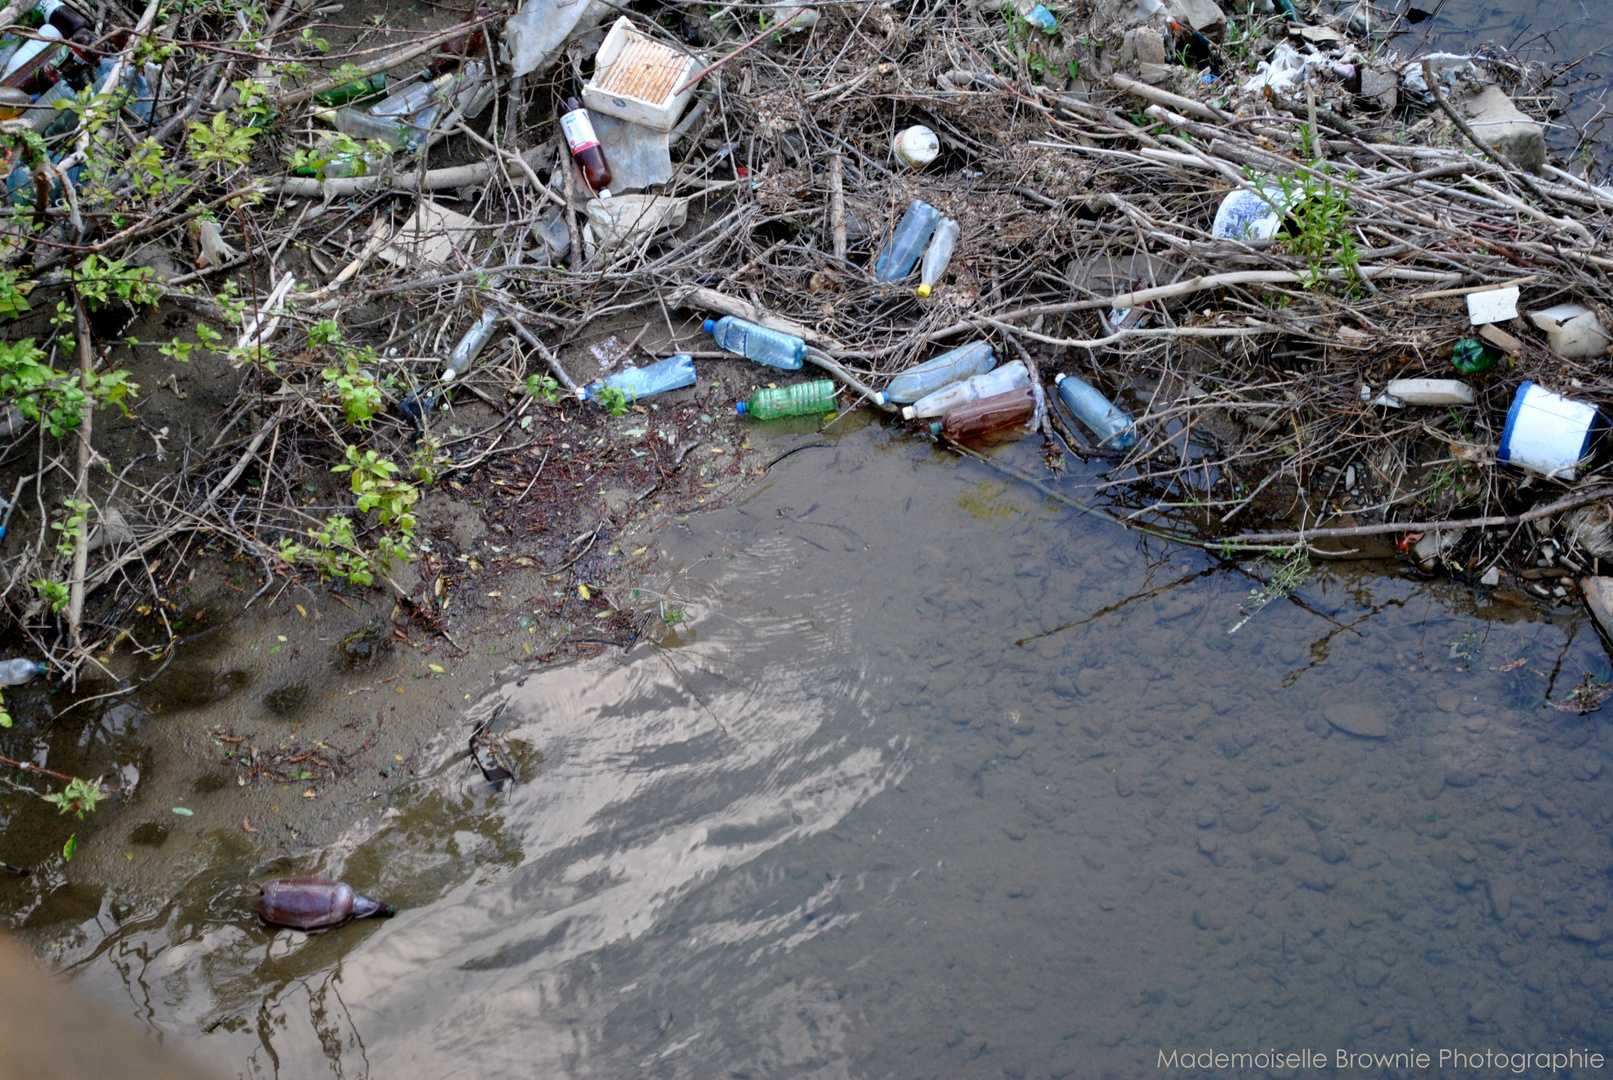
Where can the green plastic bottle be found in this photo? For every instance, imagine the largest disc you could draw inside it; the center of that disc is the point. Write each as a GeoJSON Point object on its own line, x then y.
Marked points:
{"type": "Point", "coordinates": [802, 399]}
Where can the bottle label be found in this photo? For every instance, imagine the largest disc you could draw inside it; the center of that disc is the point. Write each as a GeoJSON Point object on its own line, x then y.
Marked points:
{"type": "Point", "coordinates": [579, 130]}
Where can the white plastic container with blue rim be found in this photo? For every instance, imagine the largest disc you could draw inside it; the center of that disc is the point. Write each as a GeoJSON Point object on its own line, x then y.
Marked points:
{"type": "Point", "coordinates": [1547, 432]}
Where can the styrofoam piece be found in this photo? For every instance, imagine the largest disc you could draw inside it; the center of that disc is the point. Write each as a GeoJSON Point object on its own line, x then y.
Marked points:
{"type": "Point", "coordinates": [1572, 331]}
{"type": "Point", "coordinates": [637, 78]}
{"type": "Point", "coordinates": [1547, 432]}
{"type": "Point", "coordinates": [1430, 391]}
{"type": "Point", "coordinates": [1492, 305]}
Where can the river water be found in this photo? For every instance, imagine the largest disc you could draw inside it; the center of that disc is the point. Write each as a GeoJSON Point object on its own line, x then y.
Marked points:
{"type": "Point", "coordinates": [929, 776]}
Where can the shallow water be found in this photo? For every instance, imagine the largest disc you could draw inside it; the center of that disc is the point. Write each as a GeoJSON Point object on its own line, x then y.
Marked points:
{"type": "Point", "coordinates": [937, 778]}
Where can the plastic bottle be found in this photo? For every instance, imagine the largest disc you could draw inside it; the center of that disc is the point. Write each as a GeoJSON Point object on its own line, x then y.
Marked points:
{"type": "Point", "coordinates": [33, 55]}
{"type": "Point", "coordinates": [758, 343]}
{"type": "Point", "coordinates": [315, 903]}
{"type": "Point", "coordinates": [802, 399]}
{"type": "Point", "coordinates": [673, 373]}
{"type": "Point", "coordinates": [937, 256]}
{"type": "Point", "coordinates": [366, 126]}
{"type": "Point", "coordinates": [907, 242]}
{"type": "Point", "coordinates": [363, 89]}
{"type": "Point", "coordinates": [585, 149]}
{"type": "Point", "coordinates": [1113, 428]}
{"type": "Point", "coordinates": [916, 146]}
{"type": "Point", "coordinates": [460, 360]}
{"type": "Point", "coordinates": [14, 103]}
{"type": "Point", "coordinates": [43, 114]}
{"type": "Point", "coordinates": [74, 27]}
{"type": "Point", "coordinates": [994, 415]}
{"type": "Point", "coordinates": [1008, 377]}
{"type": "Point", "coordinates": [976, 358]}
{"type": "Point", "coordinates": [1043, 19]}
{"type": "Point", "coordinates": [19, 671]}
{"type": "Point", "coordinates": [410, 98]}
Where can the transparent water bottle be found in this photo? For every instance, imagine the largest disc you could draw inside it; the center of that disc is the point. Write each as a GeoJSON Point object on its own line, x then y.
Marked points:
{"type": "Point", "coordinates": [758, 343]}
{"type": "Point", "coordinates": [464, 354]}
{"type": "Point", "coordinates": [1001, 414]}
{"type": "Point", "coordinates": [1113, 428]}
{"type": "Point", "coordinates": [1008, 377]}
{"type": "Point", "coordinates": [802, 399]}
{"type": "Point", "coordinates": [361, 125]}
{"type": "Point", "coordinates": [907, 242]}
{"type": "Point", "coordinates": [976, 358]}
{"type": "Point", "coordinates": [673, 373]}
{"type": "Point", "coordinates": [19, 671]}
{"type": "Point", "coordinates": [937, 255]}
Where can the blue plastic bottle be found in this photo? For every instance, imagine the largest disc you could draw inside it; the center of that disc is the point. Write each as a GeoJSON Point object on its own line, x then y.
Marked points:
{"type": "Point", "coordinates": [673, 373]}
{"type": "Point", "coordinates": [757, 343]}
{"type": "Point", "coordinates": [976, 358]}
{"type": "Point", "coordinates": [1113, 428]}
{"type": "Point", "coordinates": [907, 242]}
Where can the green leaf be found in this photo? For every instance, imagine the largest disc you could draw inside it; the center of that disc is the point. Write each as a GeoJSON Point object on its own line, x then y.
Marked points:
{"type": "Point", "coordinates": [182, 812]}
{"type": "Point", "coordinates": [70, 847]}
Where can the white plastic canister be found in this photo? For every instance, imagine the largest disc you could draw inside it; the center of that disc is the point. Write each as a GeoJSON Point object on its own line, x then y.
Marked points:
{"type": "Point", "coordinates": [1547, 432]}
{"type": "Point", "coordinates": [917, 146]}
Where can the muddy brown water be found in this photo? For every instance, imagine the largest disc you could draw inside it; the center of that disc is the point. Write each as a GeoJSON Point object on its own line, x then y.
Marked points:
{"type": "Point", "coordinates": [926, 775]}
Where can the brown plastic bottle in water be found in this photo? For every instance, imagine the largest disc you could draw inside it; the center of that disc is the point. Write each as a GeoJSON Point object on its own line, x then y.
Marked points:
{"type": "Point", "coordinates": [315, 903]}
{"type": "Point", "coordinates": [585, 148]}
{"type": "Point", "coordinates": [1002, 415]}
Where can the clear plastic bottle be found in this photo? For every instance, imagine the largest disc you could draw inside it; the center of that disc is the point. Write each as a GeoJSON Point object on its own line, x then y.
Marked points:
{"type": "Point", "coordinates": [1000, 414]}
{"type": "Point", "coordinates": [937, 256]}
{"type": "Point", "coordinates": [758, 343]}
{"type": "Point", "coordinates": [802, 399]}
{"type": "Point", "coordinates": [1008, 377]}
{"type": "Point", "coordinates": [464, 354]}
{"type": "Point", "coordinates": [366, 126]}
{"type": "Point", "coordinates": [1113, 428]}
{"type": "Point", "coordinates": [907, 242]}
{"type": "Point", "coordinates": [976, 358]}
{"type": "Point", "coordinates": [410, 98]}
{"type": "Point", "coordinates": [673, 373]}
{"type": "Point", "coordinates": [19, 671]}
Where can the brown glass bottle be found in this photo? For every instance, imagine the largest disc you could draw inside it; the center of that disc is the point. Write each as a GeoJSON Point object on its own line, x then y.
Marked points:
{"type": "Point", "coordinates": [585, 148]}
{"type": "Point", "coordinates": [315, 903]}
{"type": "Point", "coordinates": [1002, 415]}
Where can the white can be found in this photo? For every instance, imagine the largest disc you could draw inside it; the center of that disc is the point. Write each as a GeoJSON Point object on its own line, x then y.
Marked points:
{"type": "Point", "coordinates": [917, 146]}
{"type": "Point", "coordinates": [1547, 432]}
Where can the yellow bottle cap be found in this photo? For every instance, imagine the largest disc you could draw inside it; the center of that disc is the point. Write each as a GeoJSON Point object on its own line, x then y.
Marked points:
{"type": "Point", "coordinates": [924, 292]}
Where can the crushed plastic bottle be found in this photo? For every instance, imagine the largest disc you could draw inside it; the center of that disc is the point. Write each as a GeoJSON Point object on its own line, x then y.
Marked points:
{"type": "Point", "coordinates": [1010, 376]}
{"type": "Point", "coordinates": [1043, 19]}
{"type": "Point", "coordinates": [465, 353]}
{"type": "Point", "coordinates": [1113, 428]}
{"type": "Point", "coordinates": [673, 373]}
{"type": "Point", "coordinates": [976, 358]}
{"type": "Point", "coordinates": [907, 242]}
{"type": "Point", "coordinates": [802, 399]}
{"type": "Point", "coordinates": [1000, 414]}
{"type": "Point", "coordinates": [758, 343]}
{"type": "Point", "coordinates": [19, 671]}
{"type": "Point", "coordinates": [315, 903]}
{"type": "Point", "coordinates": [937, 256]}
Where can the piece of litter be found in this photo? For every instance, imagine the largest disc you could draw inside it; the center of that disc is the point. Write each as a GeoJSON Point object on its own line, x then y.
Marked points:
{"type": "Point", "coordinates": [1492, 305]}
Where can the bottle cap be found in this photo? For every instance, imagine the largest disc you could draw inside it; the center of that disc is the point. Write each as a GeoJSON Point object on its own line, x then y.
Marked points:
{"type": "Point", "coordinates": [1060, 377]}
{"type": "Point", "coordinates": [448, 375]}
{"type": "Point", "coordinates": [709, 325]}
{"type": "Point", "coordinates": [924, 292]}
{"type": "Point", "coordinates": [935, 428]}
{"type": "Point", "coordinates": [907, 413]}
{"type": "Point", "coordinates": [880, 398]}
{"type": "Point", "coordinates": [741, 408]}
{"type": "Point", "coordinates": [604, 193]}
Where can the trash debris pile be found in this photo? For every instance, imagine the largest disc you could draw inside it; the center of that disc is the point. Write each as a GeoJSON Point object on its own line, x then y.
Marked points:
{"type": "Point", "coordinates": [1269, 279]}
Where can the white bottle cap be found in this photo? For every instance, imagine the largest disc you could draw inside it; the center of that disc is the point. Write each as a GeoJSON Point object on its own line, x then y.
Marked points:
{"type": "Point", "coordinates": [917, 146]}
{"type": "Point", "coordinates": [907, 412]}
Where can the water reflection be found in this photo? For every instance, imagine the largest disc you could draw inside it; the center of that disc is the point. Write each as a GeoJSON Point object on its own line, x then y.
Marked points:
{"type": "Point", "coordinates": [923, 788]}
